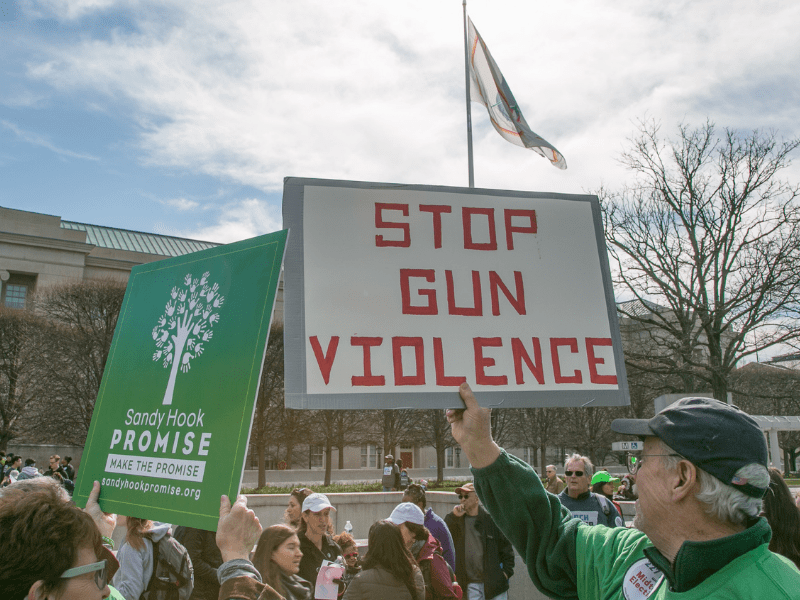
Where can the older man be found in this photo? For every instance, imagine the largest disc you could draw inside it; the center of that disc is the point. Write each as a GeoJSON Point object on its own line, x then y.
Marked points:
{"type": "Point", "coordinates": [484, 557]}
{"type": "Point", "coordinates": [592, 508]}
{"type": "Point", "coordinates": [554, 483]}
{"type": "Point", "coordinates": [701, 478]}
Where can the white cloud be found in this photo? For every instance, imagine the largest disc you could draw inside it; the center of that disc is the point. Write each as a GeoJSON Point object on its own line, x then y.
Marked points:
{"type": "Point", "coordinates": [36, 139]}
{"type": "Point", "coordinates": [252, 92]}
{"type": "Point", "coordinates": [236, 221]}
{"type": "Point", "coordinates": [182, 204]}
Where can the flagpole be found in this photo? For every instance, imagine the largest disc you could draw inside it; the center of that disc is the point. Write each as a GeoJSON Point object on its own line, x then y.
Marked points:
{"type": "Point", "coordinates": [469, 112]}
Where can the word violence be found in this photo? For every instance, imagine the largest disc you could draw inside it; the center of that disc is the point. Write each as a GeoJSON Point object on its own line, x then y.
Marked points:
{"type": "Point", "coordinates": [526, 359]}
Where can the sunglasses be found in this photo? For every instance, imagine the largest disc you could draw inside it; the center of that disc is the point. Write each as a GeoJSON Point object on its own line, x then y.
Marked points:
{"type": "Point", "coordinates": [351, 555]}
{"type": "Point", "coordinates": [463, 496]}
{"type": "Point", "coordinates": [571, 473]}
{"type": "Point", "coordinates": [99, 569]}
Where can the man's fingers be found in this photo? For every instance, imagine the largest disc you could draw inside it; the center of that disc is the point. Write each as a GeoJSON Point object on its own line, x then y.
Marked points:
{"type": "Point", "coordinates": [224, 506]}
{"type": "Point", "coordinates": [468, 397]}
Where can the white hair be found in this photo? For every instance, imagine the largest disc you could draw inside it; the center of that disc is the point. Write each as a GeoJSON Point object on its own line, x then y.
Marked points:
{"type": "Point", "coordinates": [723, 501]}
{"type": "Point", "coordinates": [588, 467]}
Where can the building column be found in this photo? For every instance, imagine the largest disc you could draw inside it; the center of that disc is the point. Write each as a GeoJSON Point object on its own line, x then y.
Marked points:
{"type": "Point", "coordinates": [775, 450]}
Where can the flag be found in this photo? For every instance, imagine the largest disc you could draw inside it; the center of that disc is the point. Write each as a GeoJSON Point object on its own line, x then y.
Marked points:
{"type": "Point", "coordinates": [489, 87]}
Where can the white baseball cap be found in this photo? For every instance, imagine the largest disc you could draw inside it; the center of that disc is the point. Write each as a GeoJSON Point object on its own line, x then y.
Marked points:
{"type": "Point", "coordinates": [407, 512]}
{"type": "Point", "coordinates": [316, 503]}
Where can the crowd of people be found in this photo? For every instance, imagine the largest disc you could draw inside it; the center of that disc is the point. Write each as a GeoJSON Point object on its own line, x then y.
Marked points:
{"type": "Point", "coordinates": [60, 469]}
{"type": "Point", "coordinates": [712, 521]}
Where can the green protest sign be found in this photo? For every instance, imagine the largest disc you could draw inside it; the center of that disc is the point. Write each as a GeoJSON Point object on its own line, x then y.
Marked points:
{"type": "Point", "coordinates": [171, 424]}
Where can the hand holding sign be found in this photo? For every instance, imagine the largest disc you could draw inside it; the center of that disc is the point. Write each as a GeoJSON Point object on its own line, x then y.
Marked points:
{"type": "Point", "coordinates": [238, 529]}
{"type": "Point", "coordinates": [106, 522]}
{"type": "Point", "coordinates": [472, 429]}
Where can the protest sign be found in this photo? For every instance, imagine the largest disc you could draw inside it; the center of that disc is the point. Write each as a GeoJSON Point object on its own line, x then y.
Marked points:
{"type": "Point", "coordinates": [395, 294]}
{"type": "Point", "coordinates": [171, 423]}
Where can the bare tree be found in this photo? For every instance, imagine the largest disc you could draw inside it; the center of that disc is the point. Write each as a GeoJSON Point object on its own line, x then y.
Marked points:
{"type": "Point", "coordinates": [434, 430]}
{"type": "Point", "coordinates": [537, 428]}
{"type": "Point", "coordinates": [269, 403]}
{"type": "Point", "coordinates": [710, 233]}
{"type": "Point", "coordinates": [81, 318]}
{"type": "Point", "coordinates": [19, 330]}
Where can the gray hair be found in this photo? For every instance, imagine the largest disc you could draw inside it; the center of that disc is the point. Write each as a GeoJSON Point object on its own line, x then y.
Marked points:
{"type": "Point", "coordinates": [588, 467]}
{"type": "Point", "coordinates": [723, 501]}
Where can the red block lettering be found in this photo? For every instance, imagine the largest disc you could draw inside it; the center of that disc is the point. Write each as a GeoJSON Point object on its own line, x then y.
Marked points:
{"type": "Point", "coordinates": [496, 283]}
{"type": "Point", "coordinates": [520, 353]}
{"type": "Point", "coordinates": [481, 362]}
{"type": "Point", "coordinates": [573, 346]}
{"type": "Point", "coordinates": [436, 211]}
{"type": "Point", "coordinates": [438, 363]}
{"type": "Point", "coordinates": [367, 378]}
{"type": "Point", "coordinates": [594, 376]}
{"type": "Point", "coordinates": [380, 241]}
{"type": "Point", "coordinates": [477, 299]}
{"type": "Point", "coordinates": [466, 216]}
{"type": "Point", "coordinates": [414, 342]}
{"type": "Point", "coordinates": [405, 294]}
{"type": "Point", "coordinates": [511, 229]}
{"type": "Point", "coordinates": [325, 361]}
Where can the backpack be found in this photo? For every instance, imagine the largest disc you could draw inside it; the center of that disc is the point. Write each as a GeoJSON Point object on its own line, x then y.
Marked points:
{"type": "Point", "coordinates": [173, 574]}
{"type": "Point", "coordinates": [425, 567]}
{"type": "Point", "coordinates": [403, 479]}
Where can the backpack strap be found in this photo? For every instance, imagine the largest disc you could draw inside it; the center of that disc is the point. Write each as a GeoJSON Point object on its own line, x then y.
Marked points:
{"type": "Point", "coordinates": [604, 503]}
{"type": "Point", "coordinates": [153, 575]}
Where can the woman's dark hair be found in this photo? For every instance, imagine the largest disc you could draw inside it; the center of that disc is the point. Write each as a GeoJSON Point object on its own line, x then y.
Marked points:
{"type": "Point", "coordinates": [783, 517]}
{"type": "Point", "coordinates": [597, 488]}
{"type": "Point", "coordinates": [42, 533]}
{"type": "Point", "coordinates": [300, 494]}
{"type": "Point", "coordinates": [270, 539]}
{"type": "Point", "coordinates": [387, 550]}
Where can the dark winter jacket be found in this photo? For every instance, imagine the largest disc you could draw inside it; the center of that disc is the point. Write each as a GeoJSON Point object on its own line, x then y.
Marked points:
{"type": "Point", "coordinates": [379, 584]}
{"type": "Point", "coordinates": [498, 555]}
{"type": "Point", "coordinates": [206, 559]}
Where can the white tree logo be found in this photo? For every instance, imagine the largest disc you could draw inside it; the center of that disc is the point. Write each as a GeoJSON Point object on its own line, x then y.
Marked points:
{"type": "Point", "coordinates": [186, 325]}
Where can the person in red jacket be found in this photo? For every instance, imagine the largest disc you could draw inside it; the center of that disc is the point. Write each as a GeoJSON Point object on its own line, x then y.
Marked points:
{"type": "Point", "coordinates": [426, 550]}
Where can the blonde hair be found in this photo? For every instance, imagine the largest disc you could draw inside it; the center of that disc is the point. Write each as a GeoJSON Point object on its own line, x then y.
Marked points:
{"type": "Point", "coordinates": [136, 529]}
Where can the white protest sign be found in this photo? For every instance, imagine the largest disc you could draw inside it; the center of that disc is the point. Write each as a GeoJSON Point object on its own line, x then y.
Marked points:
{"type": "Point", "coordinates": [396, 294]}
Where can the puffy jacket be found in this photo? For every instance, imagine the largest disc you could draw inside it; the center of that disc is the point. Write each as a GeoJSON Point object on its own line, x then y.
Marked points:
{"type": "Point", "coordinates": [380, 584]}
{"type": "Point", "coordinates": [435, 571]}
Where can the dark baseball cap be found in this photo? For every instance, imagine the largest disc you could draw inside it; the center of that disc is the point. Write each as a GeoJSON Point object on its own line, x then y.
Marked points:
{"type": "Point", "coordinates": [716, 437]}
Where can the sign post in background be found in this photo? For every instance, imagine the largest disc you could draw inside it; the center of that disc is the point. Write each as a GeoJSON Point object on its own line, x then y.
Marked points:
{"type": "Point", "coordinates": [395, 294]}
{"type": "Point", "coordinates": [171, 424]}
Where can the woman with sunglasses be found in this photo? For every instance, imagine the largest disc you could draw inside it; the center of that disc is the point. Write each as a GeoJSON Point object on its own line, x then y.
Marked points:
{"type": "Point", "coordinates": [352, 561]}
{"type": "Point", "coordinates": [51, 549]}
{"type": "Point", "coordinates": [277, 558]}
{"type": "Point", "coordinates": [136, 555]}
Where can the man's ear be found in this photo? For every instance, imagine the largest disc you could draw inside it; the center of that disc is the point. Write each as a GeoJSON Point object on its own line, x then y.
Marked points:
{"type": "Point", "coordinates": [35, 593]}
{"type": "Point", "coordinates": [685, 481]}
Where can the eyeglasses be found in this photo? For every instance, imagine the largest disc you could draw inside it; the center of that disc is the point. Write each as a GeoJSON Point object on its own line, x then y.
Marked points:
{"type": "Point", "coordinates": [463, 496]}
{"type": "Point", "coordinates": [571, 473]}
{"type": "Point", "coordinates": [99, 569]}
{"type": "Point", "coordinates": [634, 460]}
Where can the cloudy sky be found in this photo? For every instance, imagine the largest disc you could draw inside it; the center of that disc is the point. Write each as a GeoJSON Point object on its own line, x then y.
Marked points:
{"type": "Point", "coordinates": [183, 117]}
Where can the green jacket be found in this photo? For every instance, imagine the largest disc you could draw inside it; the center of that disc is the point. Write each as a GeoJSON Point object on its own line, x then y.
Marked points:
{"type": "Point", "coordinates": [569, 559]}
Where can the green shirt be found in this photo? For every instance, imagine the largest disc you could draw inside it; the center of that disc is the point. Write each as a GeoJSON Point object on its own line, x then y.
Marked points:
{"type": "Point", "coordinates": [569, 559]}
